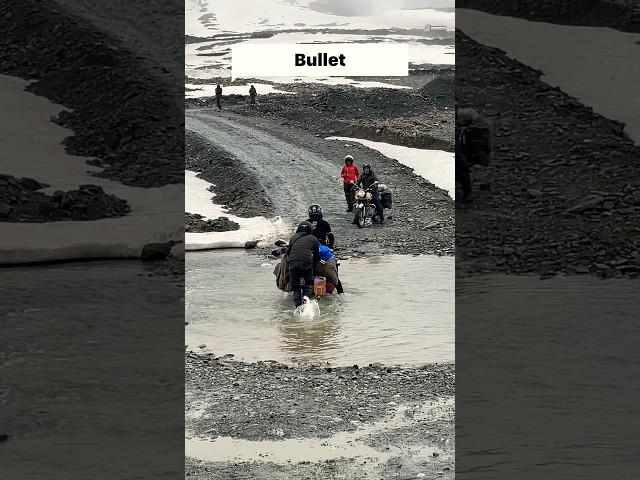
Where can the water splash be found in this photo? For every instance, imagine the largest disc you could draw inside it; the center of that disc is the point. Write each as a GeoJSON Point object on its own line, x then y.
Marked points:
{"type": "Point", "coordinates": [309, 310]}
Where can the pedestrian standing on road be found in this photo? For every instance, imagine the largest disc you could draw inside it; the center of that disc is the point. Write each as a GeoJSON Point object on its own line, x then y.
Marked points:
{"type": "Point", "coordinates": [219, 96]}
{"type": "Point", "coordinates": [252, 94]}
{"type": "Point", "coordinates": [303, 252]}
{"type": "Point", "coordinates": [350, 175]}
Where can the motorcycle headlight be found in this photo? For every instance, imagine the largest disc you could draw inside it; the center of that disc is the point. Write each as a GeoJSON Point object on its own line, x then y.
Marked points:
{"type": "Point", "coordinates": [360, 194]}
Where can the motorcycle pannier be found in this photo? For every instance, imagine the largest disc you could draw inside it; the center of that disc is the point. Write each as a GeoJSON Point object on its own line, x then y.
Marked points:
{"type": "Point", "coordinates": [281, 271]}
{"type": "Point", "coordinates": [387, 199]}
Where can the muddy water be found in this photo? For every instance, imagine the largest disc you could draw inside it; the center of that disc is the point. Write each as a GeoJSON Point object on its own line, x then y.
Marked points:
{"type": "Point", "coordinates": [549, 368]}
{"type": "Point", "coordinates": [361, 443]}
{"type": "Point", "coordinates": [70, 399]}
{"type": "Point", "coordinates": [396, 310]}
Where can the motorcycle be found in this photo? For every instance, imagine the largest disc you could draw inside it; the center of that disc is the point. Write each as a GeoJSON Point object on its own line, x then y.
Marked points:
{"type": "Point", "coordinates": [321, 285]}
{"type": "Point", "coordinates": [364, 207]}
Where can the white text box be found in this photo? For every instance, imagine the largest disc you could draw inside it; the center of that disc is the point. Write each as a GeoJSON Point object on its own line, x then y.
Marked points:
{"type": "Point", "coordinates": [331, 60]}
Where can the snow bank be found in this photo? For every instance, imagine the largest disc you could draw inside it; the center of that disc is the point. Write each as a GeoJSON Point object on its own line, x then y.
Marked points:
{"type": "Point", "coordinates": [214, 17]}
{"type": "Point", "coordinates": [198, 200]}
{"type": "Point", "coordinates": [418, 51]}
{"type": "Point", "coordinates": [205, 18]}
{"type": "Point", "coordinates": [437, 166]}
{"type": "Point", "coordinates": [582, 61]}
{"type": "Point", "coordinates": [341, 81]}
{"type": "Point", "coordinates": [213, 59]}
{"type": "Point", "coordinates": [31, 147]}
{"type": "Point", "coordinates": [432, 54]}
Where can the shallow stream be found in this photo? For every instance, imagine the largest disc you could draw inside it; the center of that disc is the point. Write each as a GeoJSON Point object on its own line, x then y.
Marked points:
{"type": "Point", "coordinates": [395, 310]}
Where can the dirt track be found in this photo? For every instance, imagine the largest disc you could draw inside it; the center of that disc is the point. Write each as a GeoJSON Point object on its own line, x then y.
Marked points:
{"type": "Point", "coordinates": [297, 169]}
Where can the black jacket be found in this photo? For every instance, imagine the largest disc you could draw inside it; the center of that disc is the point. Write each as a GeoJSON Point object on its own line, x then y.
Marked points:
{"type": "Point", "coordinates": [304, 249]}
{"type": "Point", "coordinates": [322, 231]}
{"type": "Point", "coordinates": [368, 179]}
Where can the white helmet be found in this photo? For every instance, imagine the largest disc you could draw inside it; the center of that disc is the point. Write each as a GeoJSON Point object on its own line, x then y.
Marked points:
{"type": "Point", "coordinates": [382, 187]}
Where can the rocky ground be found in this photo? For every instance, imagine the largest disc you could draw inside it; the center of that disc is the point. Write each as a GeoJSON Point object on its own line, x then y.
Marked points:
{"type": "Point", "coordinates": [380, 405]}
{"type": "Point", "coordinates": [294, 128]}
{"type": "Point", "coordinates": [563, 193]}
{"type": "Point", "coordinates": [127, 125]}
{"type": "Point", "coordinates": [598, 13]}
{"type": "Point", "coordinates": [295, 169]}
{"type": "Point", "coordinates": [197, 224]}
{"type": "Point", "coordinates": [21, 201]}
{"type": "Point", "coordinates": [236, 186]}
{"type": "Point", "coordinates": [121, 106]}
{"type": "Point", "coordinates": [414, 118]}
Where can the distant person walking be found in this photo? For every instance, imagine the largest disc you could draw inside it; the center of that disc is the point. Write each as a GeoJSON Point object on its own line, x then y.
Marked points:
{"type": "Point", "coordinates": [219, 96]}
{"type": "Point", "coordinates": [349, 175]}
{"type": "Point", "coordinates": [252, 94]}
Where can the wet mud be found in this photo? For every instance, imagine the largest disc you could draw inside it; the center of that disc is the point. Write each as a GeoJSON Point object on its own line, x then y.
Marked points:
{"type": "Point", "coordinates": [269, 420]}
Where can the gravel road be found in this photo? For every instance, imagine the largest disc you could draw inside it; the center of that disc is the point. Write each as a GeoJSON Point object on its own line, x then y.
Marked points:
{"type": "Point", "coordinates": [296, 169]}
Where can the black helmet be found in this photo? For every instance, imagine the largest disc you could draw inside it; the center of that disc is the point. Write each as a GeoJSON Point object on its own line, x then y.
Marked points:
{"type": "Point", "coordinates": [365, 166]}
{"type": "Point", "coordinates": [348, 159]}
{"type": "Point", "coordinates": [315, 211]}
{"type": "Point", "coordinates": [304, 227]}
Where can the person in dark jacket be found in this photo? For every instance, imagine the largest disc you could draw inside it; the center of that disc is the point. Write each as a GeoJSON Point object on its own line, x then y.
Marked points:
{"type": "Point", "coordinates": [252, 94]}
{"type": "Point", "coordinates": [303, 252]}
{"type": "Point", "coordinates": [366, 180]}
{"type": "Point", "coordinates": [320, 227]}
{"type": "Point", "coordinates": [349, 175]}
{"type": "Point", "coordinates": [463, 177]}
{"type": "Point", "coordinates": [473, 147]}
{"type": "Point", "coordinates": [219, 96]}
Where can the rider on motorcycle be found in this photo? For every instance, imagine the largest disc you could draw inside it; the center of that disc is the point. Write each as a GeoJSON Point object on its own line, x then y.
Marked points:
{"type": "Point", "coordinates": [366, 180]}
{"type": "Point", "coordinates": [321, 228]}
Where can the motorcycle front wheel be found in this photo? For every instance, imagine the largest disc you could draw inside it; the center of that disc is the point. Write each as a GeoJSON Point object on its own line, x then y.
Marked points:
{"type": "Point", "coordinates": [359, 217]}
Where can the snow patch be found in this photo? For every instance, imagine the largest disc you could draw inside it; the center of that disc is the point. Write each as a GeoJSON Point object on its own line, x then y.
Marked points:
{"type": "Point", "coordinates": [197, 199]}
{"type": "Point", "coordinates": [582, 61]}
{"type": "Point", "coordinates": [211, 59]}
{"type": "Point", "coordinates": [204, 19]}
{"type": "Point", "coordinates": [31, 147]}
{"type": "Point", "coordinates": [436, 166]}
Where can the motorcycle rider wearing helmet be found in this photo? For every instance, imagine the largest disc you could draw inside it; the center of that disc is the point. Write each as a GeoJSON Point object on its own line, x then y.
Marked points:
{"type": "Point", "coordinates": [366, 180]}
{"type": "Point", "coordinates": [349, 175]}
{"type": "Point", "coordinates": [303, 252]}
{"type": "Point", "coordinates": [320, 227]}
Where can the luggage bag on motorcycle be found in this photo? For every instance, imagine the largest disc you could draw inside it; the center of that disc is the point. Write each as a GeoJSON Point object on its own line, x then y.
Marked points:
{"type": "Point", "coordinates": [477, 140]}
{"type": "Point", "coordinates": [281, 271]}
{"type": "Point", "coordinates": [387, 199]}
